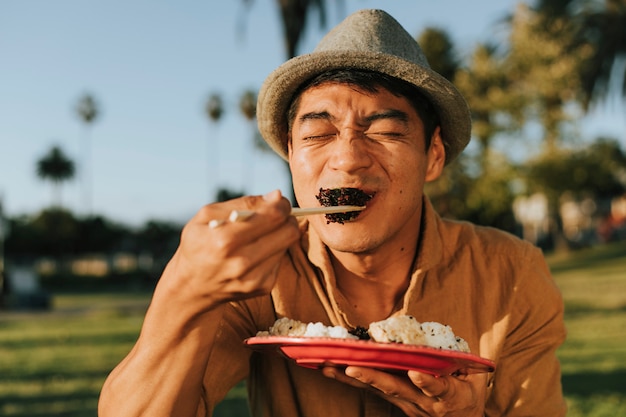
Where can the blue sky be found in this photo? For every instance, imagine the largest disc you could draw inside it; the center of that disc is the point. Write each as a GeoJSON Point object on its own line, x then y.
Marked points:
{"type": "Point", "coordinates": [151, 64]}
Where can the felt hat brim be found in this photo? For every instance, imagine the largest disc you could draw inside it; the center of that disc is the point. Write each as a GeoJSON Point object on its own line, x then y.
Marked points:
{"type": "Point", "coordinates": [368, 40]}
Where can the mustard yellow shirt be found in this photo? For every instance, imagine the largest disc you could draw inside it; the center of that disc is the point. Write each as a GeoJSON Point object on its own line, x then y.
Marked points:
{"type": "Point", "coordinates": [492, 288]}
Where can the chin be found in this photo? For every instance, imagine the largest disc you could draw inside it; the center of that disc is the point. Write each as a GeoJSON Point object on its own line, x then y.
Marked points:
{"type": "Point", "coordinates": [350, 237]}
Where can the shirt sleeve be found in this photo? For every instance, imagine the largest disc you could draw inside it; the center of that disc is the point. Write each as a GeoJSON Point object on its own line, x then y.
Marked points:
{"type": "Point", "coordinates": [229, 360]}
{"type": "Point", "coordinates": [527, 381]}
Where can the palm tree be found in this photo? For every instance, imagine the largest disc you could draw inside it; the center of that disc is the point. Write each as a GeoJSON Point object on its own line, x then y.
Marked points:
{"type": "Point", "coordinates": [87, 111]}
{"type": "Point", "coordinates": [599, 26]}
{"type": "Point", "coordinates": [247, 106]}
{"type": "Point", "coordinates": [58, 168]}
{"type": "Point", "coordinates": [294, 15]}
{"type": "Point", "coordinates": [214, 110]}
{"type": "Point", "coordinates": [214, 107]}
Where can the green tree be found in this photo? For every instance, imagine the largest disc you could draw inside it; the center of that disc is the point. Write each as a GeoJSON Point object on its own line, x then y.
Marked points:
{"type": "Point", "coordinates": [601, 25]}
{"type": "Point", "coordinates": [439, 51]}
{"type": "Point", "coordinates": [483, 199]}
{"type": "Point", "coordinates": [160, 239]}
{"type": "Point", "coordinates": [56, 167]}
{"type": "Point", "coordinates": [87, 111]}
{"type": "Point", "coordinates": [496, 107]}
{"type": "Point", "coordinates": [597, 171]}
{"type": "Point", "coordinates": [56, 231]}
{"type": "Point", "coordinates": [545, 69]}
{"type": "Point", "coordinates": [476, 188]}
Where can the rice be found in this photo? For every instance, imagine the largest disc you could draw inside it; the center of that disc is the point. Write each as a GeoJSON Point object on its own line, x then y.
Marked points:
{"type": "Point", "coordinates": [399, 329]}
{"type": "Point", "coordinates": [407, 330]}
{"type": "Point", "coordinates": [441, 336]}
{"type": "Point", "coordinates": [285, 327]}
{"type": "Point", "coordinates": [294, 328]}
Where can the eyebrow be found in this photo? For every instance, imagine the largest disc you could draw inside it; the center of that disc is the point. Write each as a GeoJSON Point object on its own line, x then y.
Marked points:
{"type": "Point", "coordinates": [315, 116]}
{"type": "Point", "coordinates": [387, 114]}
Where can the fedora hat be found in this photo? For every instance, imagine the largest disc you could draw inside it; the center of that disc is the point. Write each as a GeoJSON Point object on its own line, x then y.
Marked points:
{"type": "Point", "coordinates": [369, 40]}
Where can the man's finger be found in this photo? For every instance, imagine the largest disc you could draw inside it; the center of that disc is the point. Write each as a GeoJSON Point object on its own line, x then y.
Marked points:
{"type": "Point", "coordinates": [432, 386]}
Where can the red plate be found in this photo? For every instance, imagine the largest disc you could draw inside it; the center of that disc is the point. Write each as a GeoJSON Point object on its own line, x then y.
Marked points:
{"type": "Point", "coordinates": [312, 352]}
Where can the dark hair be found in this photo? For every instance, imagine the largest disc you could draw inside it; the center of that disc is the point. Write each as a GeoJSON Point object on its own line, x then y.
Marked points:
{"type": "Point", "coordinates": [371, 81]}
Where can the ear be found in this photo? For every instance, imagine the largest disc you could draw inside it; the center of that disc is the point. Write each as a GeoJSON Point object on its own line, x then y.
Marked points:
{"type": "Point", "coordinates": [289, 147]}
{"type": "Point", "coordinates": [436, 156]}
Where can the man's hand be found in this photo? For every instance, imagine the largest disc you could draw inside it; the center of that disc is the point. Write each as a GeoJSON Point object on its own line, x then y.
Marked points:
{"type": "Point", "coordinates": [162, 375]}
{"type": "Point", "coordinates": [236, 260]}
{"type": "Point", "coordinates": [418, 393]}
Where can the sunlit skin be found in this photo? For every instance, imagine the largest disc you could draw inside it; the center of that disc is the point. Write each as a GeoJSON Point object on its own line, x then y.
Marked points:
{"type": "Point", "coordinates": [344, 137]}
{"type": "Point", "coordinates": [341, 138]}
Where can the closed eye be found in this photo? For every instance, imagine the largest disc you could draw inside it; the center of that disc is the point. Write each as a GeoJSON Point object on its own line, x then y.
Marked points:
{"type": "Point", "coordinates": [320, 137]}
{"type": "Point", "coordinates": [385, 134]}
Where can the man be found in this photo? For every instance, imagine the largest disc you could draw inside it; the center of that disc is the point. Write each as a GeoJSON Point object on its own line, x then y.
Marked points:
{"type": "Point", "coordinates": [362, 112]}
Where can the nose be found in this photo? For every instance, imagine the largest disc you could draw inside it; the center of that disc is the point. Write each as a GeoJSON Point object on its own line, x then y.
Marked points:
{"type": "Point", "coordinates": [350, 151]}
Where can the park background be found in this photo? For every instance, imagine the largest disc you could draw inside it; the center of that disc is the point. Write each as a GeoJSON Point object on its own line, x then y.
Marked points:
{"type": "Point", "coordinates": [118, 121]}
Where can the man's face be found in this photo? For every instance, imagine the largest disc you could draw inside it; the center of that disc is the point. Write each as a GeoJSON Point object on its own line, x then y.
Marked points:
{"type": "Point", "coordinates": [344, 137]}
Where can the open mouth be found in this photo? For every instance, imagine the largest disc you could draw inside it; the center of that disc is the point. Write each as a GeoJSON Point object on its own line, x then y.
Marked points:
{"type": "Point", "coordinates": [342, 197]}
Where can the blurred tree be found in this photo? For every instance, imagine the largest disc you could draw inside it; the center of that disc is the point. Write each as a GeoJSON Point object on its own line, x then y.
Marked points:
{"type": "Point", "coordinates": [482, 199]}
{"type": "Point", "coordinates": [294, 14]}
{"type": "Point", "coordinates": [57, 233]}
{"type": "Point", "coordinates": [247, 107]}
{"type": "Point", "coordinates": [496, 107]}
{"type": "Point", "coordinates": [96, 234]}
{"type": "Point", "coordinates": [87, 111]}
{"type": "Point", "coordinates": [439, 50]}
{"type": "Point", "coordinates": [545, 69]}
{"type": "Point", "coordinates": [600, 24]}
{"type": "Point", "coordinates": [546, 60]}
{"type": "Point", "coordinates": [449, 192]}
{"type": "Point", "coordinates": [597, 171]}
{"type": "Point", "coordinates": [58, 168]}
{"type": "Point", "coordinates": [476, 190]}
{"type": "Point", "coordinates": [294, 17]}
{"type": "Point", "coordinates": [224, 194]}
{"type": "Point", "coordinates": [160, 239]}
{"type": "Point", "coordinates": [214, 109]}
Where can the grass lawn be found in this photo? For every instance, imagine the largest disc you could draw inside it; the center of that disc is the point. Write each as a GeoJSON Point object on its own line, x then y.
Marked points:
{"type": "Point", "coordinates": [593, 358]}
{"type": "Point", "coordinates": [54, 363]}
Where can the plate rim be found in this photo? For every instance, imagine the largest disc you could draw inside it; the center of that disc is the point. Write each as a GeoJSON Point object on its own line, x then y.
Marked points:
{"type": "Point", "coordinates": [264, 342]}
